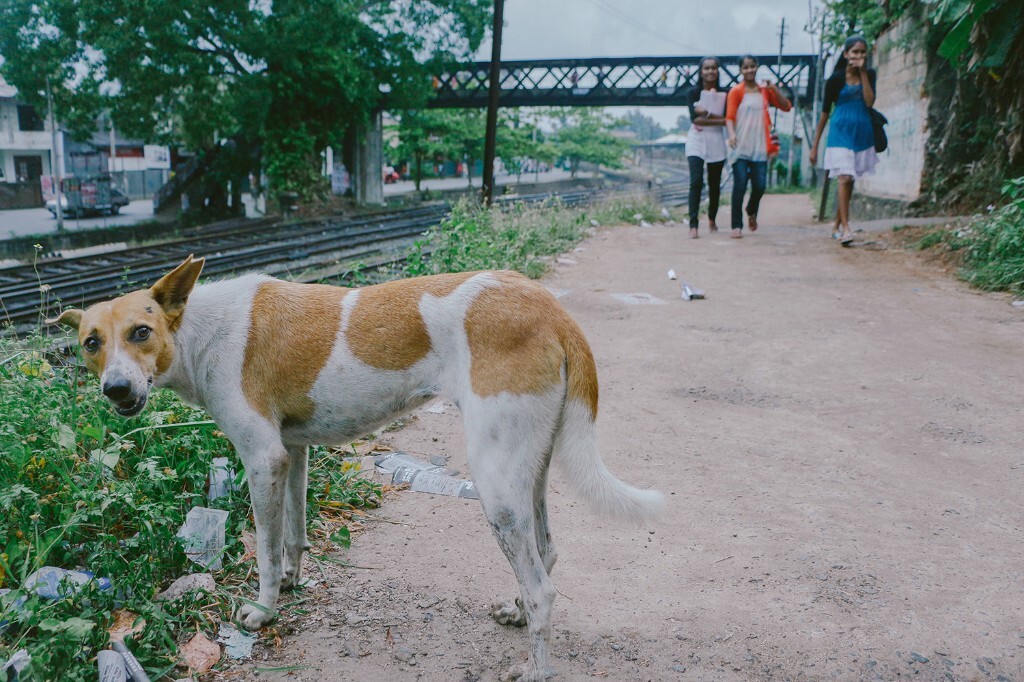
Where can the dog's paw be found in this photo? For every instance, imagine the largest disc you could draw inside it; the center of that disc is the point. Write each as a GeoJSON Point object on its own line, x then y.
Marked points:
{"type": "Point", "coordinates": [253, 617]}
{"type": "Point", "coordinates": [508, 613]}
{"type": "Point", "coordinates": [292, 578]}
{"type": "Point", "coordinates": [527, 673]}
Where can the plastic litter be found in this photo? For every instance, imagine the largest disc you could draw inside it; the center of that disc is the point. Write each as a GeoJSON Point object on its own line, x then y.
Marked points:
{"type": "Point", "coordinates": [203, 535]}
{"type": "Point", "coordinates": [237, 644]}
{"type": "Point", "coordinates": [15, 664]}
{"type": "Point", "coordinates": [50, 582]}
{"type": "Point", "coordinates": [111, 666]}
{"type": "Point", "coordinates": [671, 274]}
{"type": "Point", "coordinates": [186, 584]}
{"type": "Point", "coordinates": [690, 293]}
{"type": "Point", "coordinates": [136, 673]}
{"type": "Point", "coordinates": [222, 479]}
{"type": "Point", "coordinates": [424, 477]}
{"type": "Point", "coordinates": [644, 223]}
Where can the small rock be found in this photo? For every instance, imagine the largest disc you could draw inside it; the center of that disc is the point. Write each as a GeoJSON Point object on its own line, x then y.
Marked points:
{"type": "Point", "coordinates": [1018, 304]}
{"type": "Point", "coordinates": [405, 655]}
{"type": "Point", "coordinates": [678, 668]}
{"type": "Point", "coordinates": [594, 223]}
{"type": "Point", "coordinates": [462, 604]}
{"type": "Point", "coordinates": [918, 658]}
{"type": "Point", "coordinates": [644, 223]}
{"type": "Point", "coordinates": [616, 647]}
{"type": "Point", "coordinates": [822, 576]}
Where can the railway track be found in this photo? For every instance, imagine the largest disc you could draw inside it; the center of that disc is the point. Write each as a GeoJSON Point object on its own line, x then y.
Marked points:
{"type": "Point", "coordinates": [314, 250]}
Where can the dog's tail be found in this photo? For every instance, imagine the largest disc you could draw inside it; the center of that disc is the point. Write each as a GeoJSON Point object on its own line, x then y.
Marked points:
{"type": "Point", "coordinates": [575, 446]}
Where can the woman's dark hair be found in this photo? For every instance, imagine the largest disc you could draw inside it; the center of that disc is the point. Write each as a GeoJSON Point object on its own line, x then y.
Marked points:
{"type": "Point", "coordinates": [847, 44]}
{"type": "Point", "coordinates": [751, 58]}
{"type": "Point", "coordinates": [700, 69]}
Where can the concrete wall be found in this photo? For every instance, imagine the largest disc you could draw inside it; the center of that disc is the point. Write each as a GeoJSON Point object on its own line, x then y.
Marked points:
{"type": "Point", "coordinates": [902, 96]}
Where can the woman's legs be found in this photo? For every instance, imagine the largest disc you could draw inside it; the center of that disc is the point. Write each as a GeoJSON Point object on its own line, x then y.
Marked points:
{"type": "Point", "coordinates": [845, 194]}
{"type": "Point", "coordinates": [696, 187]}
{"type": "Point", "coordinates": [740, 173]}
{"type": "Point", "coordinates": [714, 191]}
{"type": "Point", "coordinates": [758, 182]}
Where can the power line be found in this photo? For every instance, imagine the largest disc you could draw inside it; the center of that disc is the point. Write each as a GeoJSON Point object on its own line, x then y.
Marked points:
{"type": "Point", "coordinates": [616, 13]}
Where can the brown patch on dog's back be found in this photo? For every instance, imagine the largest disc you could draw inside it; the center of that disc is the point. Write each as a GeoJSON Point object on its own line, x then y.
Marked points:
{"type": "Point", "coordinates": [291, 334]}
{"type": "Point", "coordinates": [519, 336]}
{"type": "Point", "coordinates": [386, 329]}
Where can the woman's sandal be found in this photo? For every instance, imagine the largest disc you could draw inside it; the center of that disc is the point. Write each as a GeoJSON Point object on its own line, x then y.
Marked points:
{"type": "Point", "coordinates": [752, 222]}
{"type": "Point", "coordinates": [693, 233]}
{"type": "Point", "coordinates": [847, 239]}
{"type": "Point", "coordinates": [737, 233]}
{"type": "Point", "coordinates": [712, 228]}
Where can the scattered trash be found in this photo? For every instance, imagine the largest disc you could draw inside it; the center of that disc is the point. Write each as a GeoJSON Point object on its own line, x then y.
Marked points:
{"type": "Point", "coordinates": [638, 299]}
{"type": "Point", "coordinates": [562, 260]}
{"type": "Point", "coordinates": [689, 293]}
{"type": "Point", "coordinates": [15, 664]}
{"type": "Point", "coordinates": [558, 293]}
{"type": "Point", "coordinates": [111, 666]}
{"type": "Point", "coordinates": [203, 535]}
{"type": "Point", "coordinates": [135, 670]}
{"type": "Point", "coordinates": [186, 584]}
{"type": "Point", "coordinates": [237, 644]}
{"type": "Point", "coordinates": [200, 653]}
{"type": "Point", "coordinates": [222, 479]}
{"type": "Point", "coordinates": [665, 213]}
{"type": "Point", "coordinates": [671, 274]}
{"type": "Point", "coordinates": [644, 223]}
{"type": "Point", "coordinates": [50, 582]}
{"type": "Point", "coordinates": [438, 484]}
{"type": "Point", "coordinates": [436, 408]}
{"type": "Point", "coordinates": [1018, 304]}
{"type": "Point", "coordinates": [594, 223]}
{"type": "Point", "coordinates": [638, 216]}
{"type": "Point", "coordinates": [391, 462]}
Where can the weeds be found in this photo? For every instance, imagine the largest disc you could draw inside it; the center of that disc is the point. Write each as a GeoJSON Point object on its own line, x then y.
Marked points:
{"type": "Point", "coordinates": [80, 487]}
{"type": "Point", "coordinates": [990, 249]}
{"type": "Point", "coordinates": [520, 237]}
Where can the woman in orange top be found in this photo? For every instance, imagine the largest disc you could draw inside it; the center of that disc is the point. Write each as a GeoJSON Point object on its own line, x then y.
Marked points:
{"type": "Point", "coordinates": [750, 135]}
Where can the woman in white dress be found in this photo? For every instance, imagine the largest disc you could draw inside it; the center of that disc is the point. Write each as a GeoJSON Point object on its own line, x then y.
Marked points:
{"type": "Point", "coordinates": [705, 142]}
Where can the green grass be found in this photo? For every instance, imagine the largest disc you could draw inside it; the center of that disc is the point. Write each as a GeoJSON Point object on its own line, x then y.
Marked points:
{"type": "Point", "coordinates": [990, 248]}
{"type": "Point", "coordinates": [82, 488]}
{"type": "Point", "coordinates": [518, 237]}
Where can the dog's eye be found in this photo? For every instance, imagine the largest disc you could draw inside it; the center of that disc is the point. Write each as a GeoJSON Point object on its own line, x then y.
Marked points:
{"type": "Point", "coordinates": [141, 333]}
{"type": "Point", "coordinates": [91, 344]}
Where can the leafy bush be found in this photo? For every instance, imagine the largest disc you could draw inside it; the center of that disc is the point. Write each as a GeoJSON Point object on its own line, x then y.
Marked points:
{"type": "Point", "coordinates": [993, 244]}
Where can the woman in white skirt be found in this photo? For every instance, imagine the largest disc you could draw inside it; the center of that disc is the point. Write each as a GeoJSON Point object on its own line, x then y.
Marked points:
{"type": "Point", "coordinates": [850, 151]}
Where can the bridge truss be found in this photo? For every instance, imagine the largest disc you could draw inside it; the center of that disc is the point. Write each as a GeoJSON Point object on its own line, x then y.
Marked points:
{"type": "Point", "coordinates": [603, 82]}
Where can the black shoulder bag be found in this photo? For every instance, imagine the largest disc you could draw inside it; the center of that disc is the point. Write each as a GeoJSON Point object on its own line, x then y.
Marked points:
{"type": "Point", "coordinates": [878, 121]}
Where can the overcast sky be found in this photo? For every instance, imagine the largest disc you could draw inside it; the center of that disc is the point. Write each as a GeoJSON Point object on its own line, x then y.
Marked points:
{"type": "Point", "coordinates": [558, 29]}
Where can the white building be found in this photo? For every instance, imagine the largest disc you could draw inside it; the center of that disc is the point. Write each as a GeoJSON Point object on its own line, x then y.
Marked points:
{"type": "Point", "coordinates": [25, 146]}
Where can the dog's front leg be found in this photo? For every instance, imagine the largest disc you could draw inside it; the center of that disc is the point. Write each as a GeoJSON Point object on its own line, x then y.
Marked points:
{"type": "Point", "coordinates": [267, 472]}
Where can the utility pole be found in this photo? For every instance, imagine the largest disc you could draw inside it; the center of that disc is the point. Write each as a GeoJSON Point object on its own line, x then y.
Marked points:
{"type": "Point", "coordinates": [490, 138]}
{"type": "Point", "coordinates": [55, 160]}
{"type": "Point", "coordinates": [778, 71]}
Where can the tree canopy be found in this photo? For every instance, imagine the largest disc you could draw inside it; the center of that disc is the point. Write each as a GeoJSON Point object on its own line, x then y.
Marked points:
{"type": "Point", "coordinates": [287, 77]}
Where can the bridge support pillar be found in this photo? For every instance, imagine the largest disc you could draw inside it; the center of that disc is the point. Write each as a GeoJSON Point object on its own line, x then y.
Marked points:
{"type": "Point", "coordinates": [369, 159]}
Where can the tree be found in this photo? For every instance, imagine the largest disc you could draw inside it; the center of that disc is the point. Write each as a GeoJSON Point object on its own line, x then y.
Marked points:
{"type": "Point", "coordinates": [584, 137]}
{"type": "Point", "coordinates": [286, 77]}
{"type": "Point", "coordinates": [645, 127]}
{"type": "Point", "coordinates": [421, 135]}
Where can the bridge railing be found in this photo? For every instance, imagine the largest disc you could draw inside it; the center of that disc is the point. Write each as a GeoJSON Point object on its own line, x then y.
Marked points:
{"type": "Point", "coordinates": [634, 81]}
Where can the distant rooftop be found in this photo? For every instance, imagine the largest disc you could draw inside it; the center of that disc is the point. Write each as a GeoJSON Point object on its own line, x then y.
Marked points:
{"type": "Point", "coordinates": [7, 90]}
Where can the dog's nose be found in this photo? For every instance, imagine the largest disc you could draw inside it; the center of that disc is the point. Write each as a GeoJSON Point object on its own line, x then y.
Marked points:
{"type": "Point", "coordinates": [117, 390]}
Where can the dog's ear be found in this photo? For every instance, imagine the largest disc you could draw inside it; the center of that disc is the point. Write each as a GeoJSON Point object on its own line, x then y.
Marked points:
{"type": "Point", "coordinates": [71, 317]}
{"type": "Point", "coordinates": [172, 290]}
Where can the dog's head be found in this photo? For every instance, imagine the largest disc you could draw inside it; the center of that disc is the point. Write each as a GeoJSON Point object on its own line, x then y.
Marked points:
{"type": "Point", "coordinates": [128, 342]}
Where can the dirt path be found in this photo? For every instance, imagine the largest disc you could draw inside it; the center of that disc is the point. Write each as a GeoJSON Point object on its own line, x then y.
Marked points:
{"type": "Point", "coordinates": [839, 436]}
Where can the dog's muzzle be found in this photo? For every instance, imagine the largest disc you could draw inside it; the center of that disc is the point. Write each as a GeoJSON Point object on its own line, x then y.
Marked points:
{"type": "Point", "coordinates": [127, 402]}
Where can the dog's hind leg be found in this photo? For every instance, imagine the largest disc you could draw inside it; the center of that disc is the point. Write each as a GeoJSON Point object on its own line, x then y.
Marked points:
{"type": "Point", "coordinates": [509, 442]}
{"type": "Point", "coordinates": [267, 467]}
{"type": "Point", "coordinates": [295, 541]}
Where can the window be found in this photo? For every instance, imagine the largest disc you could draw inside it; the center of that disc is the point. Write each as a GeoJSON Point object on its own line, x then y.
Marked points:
{"type": "Point", "coordinates": [28, 119]}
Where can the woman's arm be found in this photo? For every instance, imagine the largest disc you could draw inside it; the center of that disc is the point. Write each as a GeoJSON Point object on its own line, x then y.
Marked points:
{"type": "Point", "coordinates": [730, 127]}
{"type": "Point", "coordinates": [868, 87]}
{"type": "Point", "coordinates": [817, 136]}
{"type": "Point", "coordinates": [780, 100]}
{"type": "Point", "coordinates": [710, 120]}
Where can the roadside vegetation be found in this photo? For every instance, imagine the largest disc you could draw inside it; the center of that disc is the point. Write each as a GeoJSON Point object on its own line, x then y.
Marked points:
{"type": "Point", "coordinates": [990, 248]}
{"type": "Point", "coordinates": [519, 237]}
{"type": "Point", "coordinates": [84, 489]}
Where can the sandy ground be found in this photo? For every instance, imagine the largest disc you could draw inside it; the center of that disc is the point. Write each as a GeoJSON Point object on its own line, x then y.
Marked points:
{"type": "Point", "coordinates": [838, 433]}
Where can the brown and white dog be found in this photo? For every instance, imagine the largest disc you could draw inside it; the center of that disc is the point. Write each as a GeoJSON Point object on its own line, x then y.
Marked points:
{"type": "Point", "coordinates": [280, 366]}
